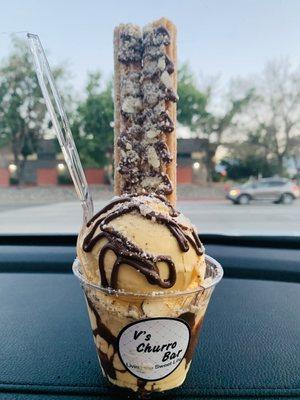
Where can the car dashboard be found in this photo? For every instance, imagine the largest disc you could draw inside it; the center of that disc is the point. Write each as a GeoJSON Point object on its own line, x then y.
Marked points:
{"type": "Point", "coordinates": [248, 347]}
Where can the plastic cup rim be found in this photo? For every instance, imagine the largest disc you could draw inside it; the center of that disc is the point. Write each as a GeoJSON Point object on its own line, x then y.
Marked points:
{"type": "Point", "coordinates": [163, 294]}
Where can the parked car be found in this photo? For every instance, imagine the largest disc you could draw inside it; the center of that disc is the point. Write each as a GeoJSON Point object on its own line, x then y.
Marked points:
{"type": "Point", "coordinates": [276, 190]}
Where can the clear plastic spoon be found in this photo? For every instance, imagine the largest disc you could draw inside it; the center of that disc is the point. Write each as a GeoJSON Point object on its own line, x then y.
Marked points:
{"type": "Point", "coordinates": [61, 125]}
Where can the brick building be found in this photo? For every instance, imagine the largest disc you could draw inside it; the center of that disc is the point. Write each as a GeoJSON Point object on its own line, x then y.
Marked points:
{"type": "Point", "coordinates": [190, 160]}
{"type": "Point", "coordinates": [46, 168]}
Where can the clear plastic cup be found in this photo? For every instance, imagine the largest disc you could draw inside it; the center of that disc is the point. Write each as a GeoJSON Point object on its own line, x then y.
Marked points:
{"type": "Point", "coordinates": [145, 342]}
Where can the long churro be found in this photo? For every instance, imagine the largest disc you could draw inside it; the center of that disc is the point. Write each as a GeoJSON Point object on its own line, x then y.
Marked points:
{"type": "Point", "coordinates": [145, 109]}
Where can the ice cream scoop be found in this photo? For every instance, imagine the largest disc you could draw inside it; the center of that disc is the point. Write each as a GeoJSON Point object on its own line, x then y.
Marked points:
{"type": "Point", "coordinates": [140, 243]}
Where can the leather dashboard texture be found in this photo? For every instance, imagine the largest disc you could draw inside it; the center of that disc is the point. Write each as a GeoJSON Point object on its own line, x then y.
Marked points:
{"type": "Point", "coordinates": [246, 262]}
{"type": "Point", "coordinates": [249, 345]}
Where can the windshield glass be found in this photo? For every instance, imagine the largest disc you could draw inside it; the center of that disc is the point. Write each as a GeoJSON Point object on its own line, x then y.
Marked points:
{"type": "Point", "coordinates": [238, 114]}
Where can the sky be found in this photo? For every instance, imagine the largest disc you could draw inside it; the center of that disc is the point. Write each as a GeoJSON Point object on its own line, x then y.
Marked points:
{"type": "Point", "coordinates": [216, 37]}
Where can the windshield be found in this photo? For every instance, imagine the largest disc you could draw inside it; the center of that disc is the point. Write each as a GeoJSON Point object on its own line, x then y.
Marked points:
{"type": "Point", "coordinates": [238, 113]}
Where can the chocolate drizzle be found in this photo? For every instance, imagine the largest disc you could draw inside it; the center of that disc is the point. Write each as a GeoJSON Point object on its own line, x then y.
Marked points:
{"type": "Point", "coordinates": [108, 207]}
{"type": "Point", "coordinates": [190, 319]}
{"type": "Point", "coordinates": [127, 253]}
{"type": "Point", "coordinates": [141, 383]}
{"type": "Point", "coordinates": [105, 333]}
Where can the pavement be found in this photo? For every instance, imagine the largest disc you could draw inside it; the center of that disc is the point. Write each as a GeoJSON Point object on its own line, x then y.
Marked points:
{"type": "Point", "coordinates": [209, 216]}
{"type": "Point", "coordinates": [16, 197]}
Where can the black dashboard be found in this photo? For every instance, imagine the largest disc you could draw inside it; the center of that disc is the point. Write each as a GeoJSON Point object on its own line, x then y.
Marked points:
{"type": "Point", "coordinates": [249, 345]}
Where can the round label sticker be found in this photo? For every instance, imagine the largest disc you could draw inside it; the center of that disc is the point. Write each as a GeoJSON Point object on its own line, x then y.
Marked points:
{"type": "Point", "coordinates": [153, 348]}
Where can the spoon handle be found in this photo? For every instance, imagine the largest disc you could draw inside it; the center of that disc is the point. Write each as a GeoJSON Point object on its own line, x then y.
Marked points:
{"type": "Point", "coordinates": [61, 125]}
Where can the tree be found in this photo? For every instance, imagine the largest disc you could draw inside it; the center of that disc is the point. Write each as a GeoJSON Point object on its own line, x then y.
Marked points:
{"type": "Point", "coordinates": [273, 119]}
{"type": "Point", "coordinates": [93, 123]}
{"type": "Point", "coordinates": [23, 117]}
{"type": "Point", "coordinates": [244, 161]}
{"type": "Point", "coordinates": [195, 111]}
{"type": "Point", "coordinates": [191, 108]}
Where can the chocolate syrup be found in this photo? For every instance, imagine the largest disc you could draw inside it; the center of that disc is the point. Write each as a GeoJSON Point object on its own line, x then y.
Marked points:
{"type": "Point", "coordinates": [190, 319]}
{"type": "Point", "coordinates": [163, 151]}
{"type": "Point", "coordinates": [127, 253]}
{"type": "Point", "coordinates": [105, 333]}
{"type": "Point", "coordinates": [108, 207]}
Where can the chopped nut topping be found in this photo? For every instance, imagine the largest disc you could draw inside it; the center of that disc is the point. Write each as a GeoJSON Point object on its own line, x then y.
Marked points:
{"type": "Point", "coordinates": [144, 94]}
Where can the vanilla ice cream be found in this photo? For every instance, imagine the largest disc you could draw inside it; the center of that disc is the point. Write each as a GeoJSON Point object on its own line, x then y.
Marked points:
{"type": "Point", "coordinates": [141, 244]}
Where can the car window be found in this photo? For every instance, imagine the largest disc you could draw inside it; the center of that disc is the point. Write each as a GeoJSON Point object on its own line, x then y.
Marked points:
{"type": "Point", "coordinates": [262, 185]}
{"type": "Point", "coordinates": [277, 183]}
{"type": "Point", "coordinates": [230, 115]}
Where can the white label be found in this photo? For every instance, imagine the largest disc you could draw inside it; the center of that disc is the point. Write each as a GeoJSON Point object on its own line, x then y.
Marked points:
{"type": "Point", "coordinates": [153, 348]}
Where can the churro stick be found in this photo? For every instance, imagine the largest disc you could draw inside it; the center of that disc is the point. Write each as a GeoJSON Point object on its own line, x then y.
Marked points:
{"type": "Point", "coordinates": [171, 107]}
{"type": "Point", "coordinates": [145, 109]}
{"type": "Point", "coordinates": [127, 69]}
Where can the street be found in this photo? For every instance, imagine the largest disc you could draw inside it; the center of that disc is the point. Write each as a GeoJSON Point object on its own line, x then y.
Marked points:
{"type": "Point", "coordinates": [215, 216]}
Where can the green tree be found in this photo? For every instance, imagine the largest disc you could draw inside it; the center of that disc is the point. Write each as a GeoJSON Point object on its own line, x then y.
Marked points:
{"type": "Point", "coordinates": [23, 116]}
{"type": "Point", "coordinates": [93, 123]}
{"type": "Point", "coordinates": [191, 107]}
{"type": "Point", "coordinates": [195, 111]}
{"type": "Point", "coordinates": [245, 160]}
{"type": "Point", "coordinates": [272, 120]}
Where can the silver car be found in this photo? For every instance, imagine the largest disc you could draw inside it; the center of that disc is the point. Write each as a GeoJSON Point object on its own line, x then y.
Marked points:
{"type": "Point", "coordinates": [276, 190]}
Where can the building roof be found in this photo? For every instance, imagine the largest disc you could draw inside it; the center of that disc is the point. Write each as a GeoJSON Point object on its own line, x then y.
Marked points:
{"type": "Point", "coordinates": [188, 146]}
{"type": "Point", "coordinates": [46, 149]}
